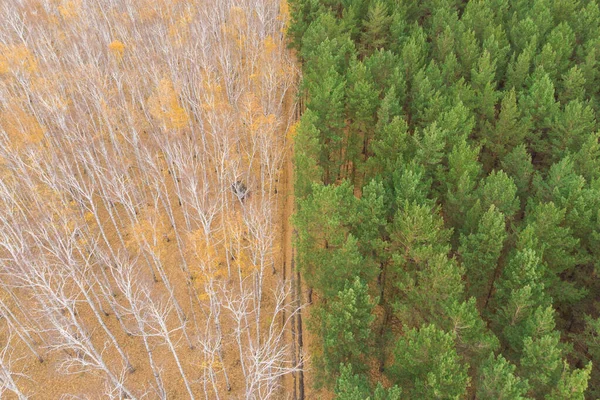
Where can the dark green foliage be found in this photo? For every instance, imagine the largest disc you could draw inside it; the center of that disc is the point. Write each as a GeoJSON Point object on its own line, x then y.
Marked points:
{"type": "Point", "coordinates": [345, 328]}
{"type": "Point", "coordinates": [589, 338]}
{"type": "Point", "coordinates": [362, 104]}
{"type": "Point", "coordinates": [388, 147]}
{"type": "Point", "coordinates": [559, 249]}
{"type": "Point", "coordinates": [517, 164]}
{"type": "Point", "coordinates": [328, 98]}
{"type": "Point", "coordinates": [587, 159]}
{"type": "Point", "coordinates": [449, 157]}
{"type": "Point", "coordinates": [414, 52]}
{"type": "Point", "coordinates": [328, 253]}
{"type": "Point", "coordinates": [461, 181]}
{"type": "Point", "coordinates": [572, 383]}
{"type": "Point", "coordinates": [480, 252]}
{"type": "Point", "coordinates": [370, 229]}
{"type": "Point", "coordinates": [351, 386]}
{"type": "Point", "coordinates": [498, 381]}
{"type": "Point", "coordinates": [474, 341]}
{"type": "Point", "coordinates": [409, 185]}
{"type": "Point", "coordinates": [417, 232]}
{"type": "Point", "coordinates": [573, 85]}
{"type": "Point", "coordinates": [303, 13]}
{"type": "Point", "coordinates": [509, 131]}
{"type": "Point", "coordinates": [520, 67]}
{"type": "Point", "coordinates": [427, 366]}
{"type": "Point", "coordinates": [375, 32]}
{"type": "Point", "coordinates": [572, 125]}
{"type": "Point", "coordinates": [542, 363]}
{"type": "Point", "coordinates": [500, 190]}
{"type": "Point", "coordinates": [520, 292]}
{"type": "Point", "coordinates": [540, 107]}
{"type": "Point", "coordinates": [424, 291]}
{"type": "Point", "coordinates": [306, 165]}
{"type": "Point", "coordinates": [483, 83]}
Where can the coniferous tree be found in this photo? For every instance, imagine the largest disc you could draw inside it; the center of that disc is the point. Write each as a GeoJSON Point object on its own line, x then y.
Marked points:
{"type": "Point", "coordinates": [572, 383]}
{"type": "Point", "coordinates": [345, 328]}
{"type": "Point", "coordinates": [483, 81]}
{"type": "Point", "coordinates": [571, 126]}
{"type": "Point", "coordinates": [362, 104]}
{"type": "Point", "coordinates": [572, 85]}
{"type": "Point", "coordinates": [540, 107]}
{"type": "Point", "coordinates": [474, 341]}
{"type": "Point", "coordinates": [303, 13]}
{"type": "Point", "coordinates": [425, 290]}
{"type": "Point", "coordinates": [388, 148]}
{"type": "Point", "coordinates": [590, 338]}
{"type": "Point", "coordinates": [517, 164]}
{"type": "Point", "coordinates": [375, 30]}
{"type": "Point", "coordinates": [480, 252]}
{"type": "Point", "coordinates": [426, 365]}
{"type": "Point", "coordinates": [587, 159]}
{"type": "Point", "coordinates": [328, 253]}
{"type": "Point", "coordinates": [509, 131]}
{"type": "Point", "coordinates": [500, 190]}
{"type": "Point", "coordinates": [559, 249]}
{"type": "Point", "coordinates": [350, 386]}
{"type": "Point", "coordinates": [497, 380]}
{"type": "Point", "coordinates": [328, 99]}
{"type": "Point", "coordinates": [519, 68]}
{"type": "Point", "coordinates": [414, 52]}
{"type": "Point", "coordinates": [520, 291]}
{"type": "Point", "coordinates": [461, 181]}
{"type": "Point", "coordinates": [306, 156]}
{"type": "Point", "coordinates": [542, 363]}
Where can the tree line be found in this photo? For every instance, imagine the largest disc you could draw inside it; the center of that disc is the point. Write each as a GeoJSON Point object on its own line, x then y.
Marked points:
{"type": "Point", "coordinates": [447, 178]}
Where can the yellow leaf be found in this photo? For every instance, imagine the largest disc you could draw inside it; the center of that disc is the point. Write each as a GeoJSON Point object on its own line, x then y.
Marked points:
{"type": "Point", "coordinates": [270, 45]}
{"type": "Point", "coordinates": [164, 106]}
{"type": "Point", "coordinates": [117, 48]}
{"type": "Point", "coordinates": [16, 58]}
{"type": "Point", "coordinates": [69, 9]}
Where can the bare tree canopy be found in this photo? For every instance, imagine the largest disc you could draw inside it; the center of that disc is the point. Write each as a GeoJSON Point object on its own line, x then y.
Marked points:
{"type": "Point", "coordinates": [127, 267]}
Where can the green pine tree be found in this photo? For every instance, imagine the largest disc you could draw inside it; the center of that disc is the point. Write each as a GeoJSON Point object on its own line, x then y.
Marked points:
{"type": "Point", "coordinates": [375, 29]}
{"type": "Point", "coordinates": [480, 252]}
{"type": "Point", "coordinates": [427, 366]}
{"type": "Point", "coordinates": [345, 328]}
{"type": "Point", "coordinates": [461, 180]}
{"type": "Point", "coordinates": [510, 131]}
{"type": "Point", "coordinates": [308, 150]}
{"type": "Point", "coordinates": [520, 292]}
{"type": "Point", "coordinates": [350, 386]}
{"type": "Point", "coordinates": [497, 380]}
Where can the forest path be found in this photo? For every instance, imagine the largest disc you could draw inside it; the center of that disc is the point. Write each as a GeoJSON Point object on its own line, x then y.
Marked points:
{"type": "Point", "coordinates": [296, 386]}
{"type": "Point", "coordinates": [293, 384]}
{"type": "Point", "coordinates": [290, 381]}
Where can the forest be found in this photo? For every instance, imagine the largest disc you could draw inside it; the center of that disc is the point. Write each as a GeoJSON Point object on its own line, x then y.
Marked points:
{"type": "Point", "coordinates": [301, 199]}
{"type": "Point", "coordinates": [447, 184]}
{"type": "Point", "coordinates": [143, 147]}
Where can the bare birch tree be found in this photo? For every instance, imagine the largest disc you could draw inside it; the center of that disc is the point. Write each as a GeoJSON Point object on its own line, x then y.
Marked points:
{"type": "Point", "coordinates": [141, 145]}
